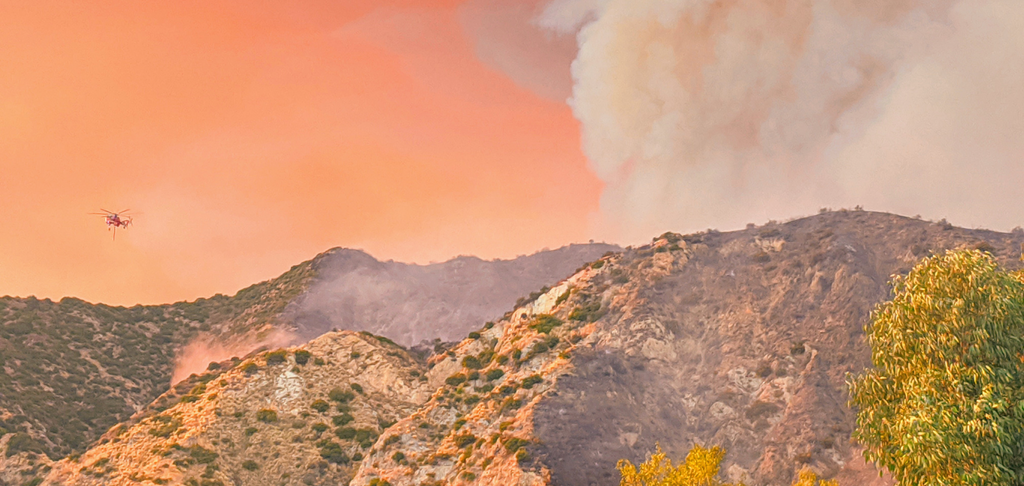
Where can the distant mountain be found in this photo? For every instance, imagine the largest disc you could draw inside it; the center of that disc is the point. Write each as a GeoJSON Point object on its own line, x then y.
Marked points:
{"type": "Point", "coordinates": [414, 303]}
{"type": "Point", "coordinates": [74, 369]}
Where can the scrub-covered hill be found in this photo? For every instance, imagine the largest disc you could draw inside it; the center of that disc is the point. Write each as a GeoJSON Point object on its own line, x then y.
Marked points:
{"type": "Point", "coordinates": [739, 339]}
{"type": "Point", "coordinates": [302, 416]}
{"type": "Point", "coordinates": [74, 369]}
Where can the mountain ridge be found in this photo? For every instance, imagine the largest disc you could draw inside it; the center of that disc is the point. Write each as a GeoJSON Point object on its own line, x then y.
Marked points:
{"type": "Point", "coordinates": [74, 369]}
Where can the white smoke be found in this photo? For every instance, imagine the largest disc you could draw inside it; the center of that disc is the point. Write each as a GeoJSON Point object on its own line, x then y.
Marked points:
{"type": "Point", "coordinates": [716, 113]}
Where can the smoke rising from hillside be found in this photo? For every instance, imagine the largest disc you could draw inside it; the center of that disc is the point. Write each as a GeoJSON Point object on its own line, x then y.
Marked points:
{"type": "Point", "coordinates": [197, 355]}
{"type": "Point", "coordinates": [715, 113]}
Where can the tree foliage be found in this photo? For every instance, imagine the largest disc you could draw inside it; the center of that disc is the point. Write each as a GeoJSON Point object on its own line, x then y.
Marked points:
{"type": "Point", "coordinates": [807, 477]}
{"type": "Point", "coordinates": [944, 404]}
{"type": "Point", "coordinates": [700, 468]}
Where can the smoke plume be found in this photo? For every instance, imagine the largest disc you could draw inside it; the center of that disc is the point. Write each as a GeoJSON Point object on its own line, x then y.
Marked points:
{"type": "Point", "coordinates": [197, 355]}
{"type": "Point", "coordinates": [716, 113]}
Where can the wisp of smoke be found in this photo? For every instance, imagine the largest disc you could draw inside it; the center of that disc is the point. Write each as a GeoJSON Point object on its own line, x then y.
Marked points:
{"type": "Point", "coordinates": [716, 113]}
{"type": "Point", "coordinates": [197, 355]}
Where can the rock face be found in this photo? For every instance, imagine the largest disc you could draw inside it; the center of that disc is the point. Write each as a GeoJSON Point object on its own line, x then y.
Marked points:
{"type": "Point", "coordinates": [739, 339]}
{"type": "Point", "coordinates": [296, 416]}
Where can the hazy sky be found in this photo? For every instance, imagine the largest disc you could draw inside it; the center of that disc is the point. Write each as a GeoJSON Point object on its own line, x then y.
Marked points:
{"type": "Point", "coordinates": [252, 135]}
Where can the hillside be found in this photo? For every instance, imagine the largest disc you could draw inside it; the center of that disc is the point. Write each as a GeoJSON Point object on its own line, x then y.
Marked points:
{"type": "Point", "coordinates": [74, 369]}
{"type": "Point", "coordinates": [739, 339]}
{"type": "Point", "coordinates": [302, 415]}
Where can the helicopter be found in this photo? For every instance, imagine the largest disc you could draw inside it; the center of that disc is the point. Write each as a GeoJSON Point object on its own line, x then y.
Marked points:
{"type": "Point", "coordinates": [116, 220]}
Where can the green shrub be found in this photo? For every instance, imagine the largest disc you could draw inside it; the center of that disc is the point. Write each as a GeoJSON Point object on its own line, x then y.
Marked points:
{"type": "Point", "coordinates": [168, 426]}
{"type": "Point", "coordinates": [250, 465]}
{"type": "Point", "coordinates": [332, 452]}
{"type": "Point", "coordinates": [494, 374]}
{"type": "Point", "coordinates": [342, 419]}
{"type": "Point", "coordinates": [456, 379]}
{"type": "Point", "coordinates": [522, 455]}
{"type": "Point", "coordinates": [357, 387]}
{"type": "Point", "coordinates": [340, 396]}
{"type": "Point", "coordinates": [587, 312]}
{"type": "Point", "coordinates": [250, 368]}
{"type": "Point", "coordinates": [471, 362]}
{"type": "Point", "coordinates": [202, 455]}
{"type": "Point", "coordinates": [461, 441]}
{"type": "Point", "coordinates": [345, 433]}
{"type": "Point", "coordinates": [365, 435]}
{"type": "Point", "coordinates": [319, 361]}
{"type": "Point", "coordinates": [458, 424]}
{"type": "Point", "coordinates": [510, 404]}
{"type": "Point", "coordinates": [474, 335]}
{"type": "Point", "coordinates": [531, 380]}
{"type": "Point", "coordinates": [213, 366]}
{"type": "Point", "coordinates": [319, 427]}
{"type": "Point", "coordinates": [398, 456]}
{"type": "Point", "coordinates": [545, 323]}
{"type": "Point", "coordinates": [266, 415]}
{"type": "Point", "coordinates": [249, 431]}
{"type": "Point", "coordinates": [513, 444]}
{"type": "Point", "coordinates": [302, 356]}
{"type": "Point", "coordinates": [541, 347]}
{"type": "Point", "coordinates": [473, 376]}
{"type": "Point", "coordinates": [277, 357]}
{"type": "Point", "coordinates": [320, 405]}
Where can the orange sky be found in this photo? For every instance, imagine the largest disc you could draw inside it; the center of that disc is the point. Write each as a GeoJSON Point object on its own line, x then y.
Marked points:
{"type": "Point", "coordinates": [251, 136]}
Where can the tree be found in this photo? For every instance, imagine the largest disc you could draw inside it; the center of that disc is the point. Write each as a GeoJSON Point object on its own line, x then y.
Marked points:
{"type": "Point", "coordinates": [700, 468]}
{"type": "Point", "coordinates": [809, 478]}
{"type": "Point", "coordinates": [944, 404]}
